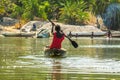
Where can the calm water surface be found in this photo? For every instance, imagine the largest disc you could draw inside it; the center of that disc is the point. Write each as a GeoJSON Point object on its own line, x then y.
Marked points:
{"type": "Point", "coordinates": [23, 59]}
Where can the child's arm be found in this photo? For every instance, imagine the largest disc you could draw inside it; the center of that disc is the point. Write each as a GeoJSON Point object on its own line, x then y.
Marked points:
{"type": "Point", "coordinates": [52, 26]}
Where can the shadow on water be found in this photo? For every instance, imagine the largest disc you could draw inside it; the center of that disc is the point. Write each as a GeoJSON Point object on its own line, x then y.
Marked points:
{"type": "Point", "coordinates": [94, 59]}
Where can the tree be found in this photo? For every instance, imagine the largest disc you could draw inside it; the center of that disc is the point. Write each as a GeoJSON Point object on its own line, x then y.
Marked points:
{"type": "Point", "coordinates": [29, 9]}
{"type": "Point", "coordinates": [108, 11]}
{"type": "Point", "coordinates": [112, 16]}
{"type": "Point", "coordinates": [5, 7]}
{"type": "Point", "coordinates": [73, 12]}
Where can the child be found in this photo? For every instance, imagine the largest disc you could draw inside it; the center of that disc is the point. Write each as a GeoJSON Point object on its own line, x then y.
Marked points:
{"type": "Point", "coordinates": [58, 37]}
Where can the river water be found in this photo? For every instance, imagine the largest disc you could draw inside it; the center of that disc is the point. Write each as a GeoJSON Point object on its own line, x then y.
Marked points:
{"type": "Point", "coordinates": [94, 59]}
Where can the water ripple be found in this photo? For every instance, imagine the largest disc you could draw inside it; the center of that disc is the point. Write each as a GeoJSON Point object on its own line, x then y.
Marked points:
{"type": "Point", "coordinates": [99, 46]}
{"type": "Point", "coordinates": [92, 65]}
{"type": "Point", "coordinates": [73, 64]}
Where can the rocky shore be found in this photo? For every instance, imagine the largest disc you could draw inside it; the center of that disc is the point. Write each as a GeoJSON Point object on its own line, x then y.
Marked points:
{"type": "Point", "coordinates": [74, 30]}
{"type": "Point", "coordinates": [85, 30]}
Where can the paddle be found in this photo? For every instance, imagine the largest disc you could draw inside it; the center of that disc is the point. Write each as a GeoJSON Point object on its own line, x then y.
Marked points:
{"type": "Point", "coordinates": [74, 44]}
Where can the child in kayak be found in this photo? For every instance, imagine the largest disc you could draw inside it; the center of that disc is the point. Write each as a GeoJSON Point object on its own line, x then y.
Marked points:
{"type": "Point", "coordinates": [58, 37]}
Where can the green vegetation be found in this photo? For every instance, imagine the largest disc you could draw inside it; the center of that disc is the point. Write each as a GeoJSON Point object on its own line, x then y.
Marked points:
{"type": "Point", "coordinates": [68, 11]}
{"type": "Point", "coordinates": [74, 12]}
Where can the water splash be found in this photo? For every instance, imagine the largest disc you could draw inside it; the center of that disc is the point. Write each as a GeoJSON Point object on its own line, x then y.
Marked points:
{"type": "Point", "coordinates": [112, 16]}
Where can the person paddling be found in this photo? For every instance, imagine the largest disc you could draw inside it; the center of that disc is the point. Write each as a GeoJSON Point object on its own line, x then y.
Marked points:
{"type": "Point", "coordinates": [60, 34]}
{"type": "Point", "coordinates": [58, 37]}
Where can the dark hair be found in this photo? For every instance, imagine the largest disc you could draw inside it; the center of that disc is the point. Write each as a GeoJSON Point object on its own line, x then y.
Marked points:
{"type": "Point", "coordinates": [57, 27]}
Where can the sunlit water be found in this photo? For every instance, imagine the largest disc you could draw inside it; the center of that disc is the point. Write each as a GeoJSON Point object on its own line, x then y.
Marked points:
{"type": "Point", "coordinates": [94, 59]}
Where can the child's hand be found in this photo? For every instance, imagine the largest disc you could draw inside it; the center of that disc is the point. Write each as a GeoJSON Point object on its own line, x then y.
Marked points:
{"type": "Point", "coordinates": [53, 24]}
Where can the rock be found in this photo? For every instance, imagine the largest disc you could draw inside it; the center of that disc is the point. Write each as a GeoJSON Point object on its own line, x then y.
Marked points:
{"type": "Point", "coordinates": [7, 21]}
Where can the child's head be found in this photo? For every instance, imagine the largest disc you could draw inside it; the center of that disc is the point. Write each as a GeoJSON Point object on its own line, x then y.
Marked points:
{"type": "Point", "coordinates": [57, 27]}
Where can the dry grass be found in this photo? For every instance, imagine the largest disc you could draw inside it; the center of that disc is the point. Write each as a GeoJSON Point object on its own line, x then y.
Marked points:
{"type": "Point", "coordinates": [92, 20]}
{"type": "Point", "coordinates": [10, 29]}
{"type": "Point", "coordinates": [20, 24]}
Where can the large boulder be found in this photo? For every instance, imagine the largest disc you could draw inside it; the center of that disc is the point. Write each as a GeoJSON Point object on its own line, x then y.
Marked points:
{"type": "Point", "coordinates": [7, 21]}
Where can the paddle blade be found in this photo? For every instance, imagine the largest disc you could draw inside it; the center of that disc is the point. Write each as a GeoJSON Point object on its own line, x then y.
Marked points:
{"type": "Point", "coordinates": [75, 45]}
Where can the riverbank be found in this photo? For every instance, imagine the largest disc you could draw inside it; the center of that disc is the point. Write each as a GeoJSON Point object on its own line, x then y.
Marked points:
{"type": "Point", "coordinates": [72, 30]}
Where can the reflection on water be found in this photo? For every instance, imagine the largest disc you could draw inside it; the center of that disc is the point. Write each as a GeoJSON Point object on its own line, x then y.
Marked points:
{"type": "Point", "coordinates": [56, 71]}
{"type": "Point", "coordinates": [23, 59]}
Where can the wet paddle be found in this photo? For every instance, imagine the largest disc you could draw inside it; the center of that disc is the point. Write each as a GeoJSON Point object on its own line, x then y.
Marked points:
{"type": "Point", "coordinates": [74, 44]}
